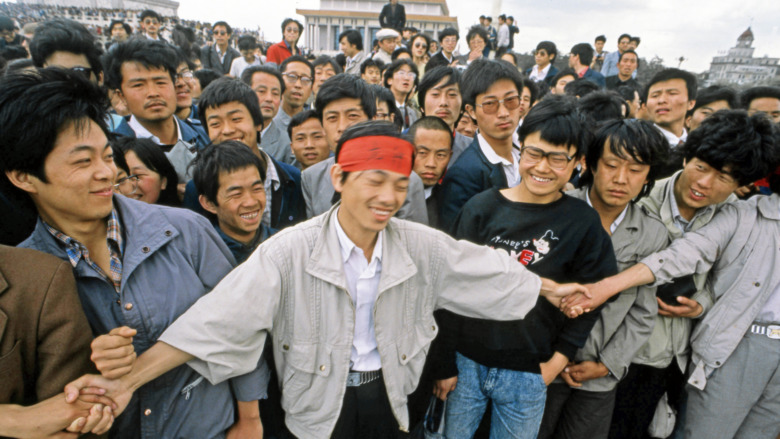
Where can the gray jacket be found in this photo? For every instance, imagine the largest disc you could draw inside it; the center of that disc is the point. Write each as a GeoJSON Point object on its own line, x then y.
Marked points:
{"type": "Point", "coordinates": [627, 321]}
{"type": "Point", "coordinates": [671, 335]}
{"type": "Point", "coordinates": [459, 144]}
{"type": "Point", "coordinates": [276, 143]}
{"type": "Point", "coordinates": [738, 249]}
{"type": "Point", "coordinates": [171, 258]}
{"type": "Point", "coordinates": [354, 68]}
{"type": "Point", "coordinates": [318, 193]}
{"type": "Point", "coordinates": [294, 287]}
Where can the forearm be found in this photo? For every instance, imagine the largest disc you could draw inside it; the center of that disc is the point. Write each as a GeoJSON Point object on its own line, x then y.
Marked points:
{"type": "Point", "coordinates": [634, 276]}
{"type": "Point", "coordinates": [159, 359]}
{"type": "Point", "coordinates": [248, 410]}
{"type": "Point", "coordinates": [11, 416]}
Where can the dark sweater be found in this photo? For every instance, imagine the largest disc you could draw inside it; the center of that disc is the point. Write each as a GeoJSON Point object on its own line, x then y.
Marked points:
{"type": "Point", "coordinates": [563, 241]}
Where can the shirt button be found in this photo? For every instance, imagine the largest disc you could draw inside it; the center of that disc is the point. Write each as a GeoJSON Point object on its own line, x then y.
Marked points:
{"type": "Point", "coordinates": [433, 328]}
{"type": "Point", "coordinates": [322, 367]}
{"type": "Point", "coordinates": [147, 412]}
{"type": "Point", "coordinates": [660, 261]}
{"type": "Point", "coordinates": [145, 249]}
{"type": "Point", "coordinates": [119, 302]}
{"type": "Point", "coordinates": [756, 284]}
{"type": "Point", "coordinates": [128, 306]}
{"type": "Point", "coordinates": [168, 233]}
{"type": "Point", "coordinates": [403, 357]}
{"type": "Point", "coordinates": [286, 347]}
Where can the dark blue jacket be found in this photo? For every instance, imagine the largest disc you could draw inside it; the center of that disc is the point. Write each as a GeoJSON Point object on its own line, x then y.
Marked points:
{"type": "Point", "coordinates": [595, 77]}
{"type": "Point", "coordinates": [287, 205]}
{"type": "Point", "coordinates": [548, 78]}
{"type": "Point", "coordinates": [471, 174]}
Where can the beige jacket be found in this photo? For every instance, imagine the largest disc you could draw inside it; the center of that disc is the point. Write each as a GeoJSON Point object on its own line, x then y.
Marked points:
{"type": "Point", "coordinates": [293, 287]}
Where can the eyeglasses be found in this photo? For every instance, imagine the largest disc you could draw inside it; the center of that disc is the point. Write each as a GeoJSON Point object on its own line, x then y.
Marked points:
{"type": "Point", "coordinates": [491, 106]}
{"type": "Point", "coordinates": [424, 46]}
{"type": "Point", "coordinates": [220, 32]}
{"type": "Point", "coordinates": [293, 78]}
{"type": "Point", "coordinates": [127, 185]}
{"type": "Point", "coordinates": [405, 74]}
{"type": "Point", "coordinates": [86, 72]}
{"type": "Point", "coordinates": [533, 155]}
{"type": "Point", "coordinates": [185, 74]}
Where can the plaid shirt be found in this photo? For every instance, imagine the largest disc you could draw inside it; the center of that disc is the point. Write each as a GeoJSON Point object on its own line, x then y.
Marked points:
{"type": "Point", "coordinates": [76, 250]}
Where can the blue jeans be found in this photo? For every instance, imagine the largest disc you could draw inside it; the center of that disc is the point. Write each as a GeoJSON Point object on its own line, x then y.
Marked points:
{"type": "Point", "coordinates": [518, 402]}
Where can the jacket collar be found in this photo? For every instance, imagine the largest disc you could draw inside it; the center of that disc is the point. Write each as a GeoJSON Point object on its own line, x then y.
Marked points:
{"type": "Point", "coordinates": [326, 261]}
{"type": "Point", "coordinates": [769, 206]}
{"type": "Point", "coordinates": [496, 171]}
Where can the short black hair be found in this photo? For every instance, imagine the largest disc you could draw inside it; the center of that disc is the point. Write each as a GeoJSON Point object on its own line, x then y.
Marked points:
{"type": "Point", "coordinates": [7, 23]}
{"type": "Point", "coordinates": [247, 42]}
{"type": "Point", "coordinates": [226, 90]}
{"type": "Point", "coordinates": [482, 74]}
{"type": "Point", "coordinates": [584, 51]}
{"type": "Point", "coordinates": [206, 77]}
{"type": "Point", "coordinates": [17, 64]}
{"type": "Point", "coordinates": [752, 93]}
{"type": "Point", "coordinates": [345, 86]}
{"type": "Point", "coordinates": [353, 37]}
{"type": "Point", "coordinates": [624, 36]}
{"type": "Point", "coordinates": [448, 32]}
{"type": "Point", "coordinates": [602, 105]}
{"type": "Point", "coordinates": [229, 156]}
{"type": "Point", "coordinates": [35, 106]}
{"type": "Point", "coordinates": [13, 52]}
{"type": "Point", "coordinates": [620, 57]}
{"type": "Point", "coordinates": [747, 144]}
{"type": "Point", "coordinates": [396, 65]}
{"type": "Point", "coordinates": [580, 87]}
{"type": "Point", "coordinates": [627, 92]}
{"type": "Point", "coordinates": [370, 62]}
{"type": "Point", "coordinates": [119, 156]}
{"type": "Point", "coordinates": [249, 72]}
{"type": "Point", "coordinates": [222, 23]}
{"type": "Point", "coordinates": [563, 73]}
{"type": "Point", "coordinates": [325, 59]}
{"type": "Point", "coordinates": [299, 120]}
{"type": "Point", "coordinates": [532, 87]}
{"type": "Point", "coordinates": [128, 29]}
{"type": "Point", "coordinates": [153, 157]}
{"type": "Point", "coordinates": [397, 52]}
{"type": "Point", "coordinates": [548, 47]}
{"type": "Point", "coordinates": [429, 123]}
{"type": "Point", "coordinates": [477, 30]}
{"type": "Point", "coordinates": [61, 34]}
{"type": "Point", "coordinates": [382, 94]}
{"type": "Point", "coordinates": [148, 53]}
{"type": "Point", "coordinates": [506, 51]}
{"type": "Point", "coordinates": [637, 39]}
{"type": "Point", "coordinates": [716, 93]}
{"type": "Point", "coordinates": [296, 58]}
{"type": "Point", "coordinates": [433, 77]}
{"type": "Point", "coordinates": [601, 38]}
{"type": "Point", "coordinates": [669, 74]}
{"type": "Point", "coordinates": [149, 13]}
{"type": "Point", "coordinates": [557, 122]}
{"type": "Point", "coordinates": [634, 138]}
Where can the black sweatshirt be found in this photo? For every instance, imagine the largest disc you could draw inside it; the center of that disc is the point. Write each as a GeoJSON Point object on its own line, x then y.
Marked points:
{"type": "Point", "coordinates": [563, 241]}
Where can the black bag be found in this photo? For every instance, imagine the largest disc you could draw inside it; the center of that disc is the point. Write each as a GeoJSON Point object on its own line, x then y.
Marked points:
{"type": "Point", "coordinates": [682, 286]}
{"type": "Point", "coordinates": [432, 425]}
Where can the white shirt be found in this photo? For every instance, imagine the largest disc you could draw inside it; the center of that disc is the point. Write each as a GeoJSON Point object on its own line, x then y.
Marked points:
{"type": "Point", "coordinates": [502, 40]}
{"type": "Point", "coordinates": [239, 64]}
{"type": "Point", "coordinates": [271, 184]}
{"type": "Point", "coordinates": [673, 140]}
{"type": "Point", "coordinates": [142, 133]}
{"type": "Point", "coordinates": [363, 284]}
{"type": "Point", "coordinates": [618, 220]}
{"type": "Point", "coordinates": [537, 75]}
{"type": "Point", "coordinates": [511, 169]}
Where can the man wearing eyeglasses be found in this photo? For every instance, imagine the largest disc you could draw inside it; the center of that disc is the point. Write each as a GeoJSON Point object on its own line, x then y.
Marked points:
{"type": "Point", "coordinates": [150, 25]}
{"type": "Point", "coordinates": [298, 75]}
{"type": "Point", "coordinates": [219, 56]}
{"type": "Point", "coordinates": [491, 94]}
{"type": "Point", "coordinates": [553, 235]}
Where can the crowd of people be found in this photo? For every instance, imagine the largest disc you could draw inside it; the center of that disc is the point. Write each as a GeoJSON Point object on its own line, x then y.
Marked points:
{"type": "Point", "coordinates": [219, 240]}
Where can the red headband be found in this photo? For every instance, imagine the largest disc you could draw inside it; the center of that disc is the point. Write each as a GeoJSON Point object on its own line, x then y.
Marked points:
{"type": "Point", "coordinates": [376, 152]}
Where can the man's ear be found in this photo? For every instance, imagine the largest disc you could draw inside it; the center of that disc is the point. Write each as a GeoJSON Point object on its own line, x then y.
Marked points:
{"type": "Point", "coordinates": [336, 174]}
{"type": "Point", "coordinates": [163, 183]}
{"type": "Point", "coordinates": [468, 110]}
{"type": "Point", "coordinates": [23, 180]}
{"type": "Point", "coordinates": [207, 205]}
{"type": "Point", "coordinates": [691, 104]}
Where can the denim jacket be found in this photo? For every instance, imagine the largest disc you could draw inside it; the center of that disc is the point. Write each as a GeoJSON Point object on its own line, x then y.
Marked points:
{"type": "Point", "coordinates": [294, 287]}
{"type": "Point", "coordinates": [172, 257]}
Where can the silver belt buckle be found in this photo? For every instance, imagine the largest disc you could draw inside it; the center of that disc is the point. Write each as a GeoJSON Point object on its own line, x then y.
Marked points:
{"type": "Point", "coordinates": [353, 379]}
{"type": "Point", "coordinates": [773, 332]}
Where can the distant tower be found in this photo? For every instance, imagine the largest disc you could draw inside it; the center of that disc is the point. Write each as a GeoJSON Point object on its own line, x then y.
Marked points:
{"type": "Point", "coordinates": [746, 39]}
{"type": "Point", "coordinates": [738, 66]}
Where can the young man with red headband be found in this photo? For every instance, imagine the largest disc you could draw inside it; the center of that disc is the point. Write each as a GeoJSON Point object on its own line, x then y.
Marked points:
{"type": "Point", "coordinates": [347, 299]}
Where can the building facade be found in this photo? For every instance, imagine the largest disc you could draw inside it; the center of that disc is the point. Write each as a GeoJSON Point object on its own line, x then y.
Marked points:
{"type": "Point", "coordinates": [738, 66]}
{"type": "Point", "coordinates": [323, 25]}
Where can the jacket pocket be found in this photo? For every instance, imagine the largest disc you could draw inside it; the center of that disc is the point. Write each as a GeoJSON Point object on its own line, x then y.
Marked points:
{"type": "Point", "coordinates": [305, 377]}
{"type": "Point", "coordinates": [412, 349]}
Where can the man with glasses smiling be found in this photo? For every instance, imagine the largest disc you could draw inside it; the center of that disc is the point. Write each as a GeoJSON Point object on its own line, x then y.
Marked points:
{"type": "Point", "coordinates": [298, 74]}
{"type": "Point", "coordinates": [491, 94]}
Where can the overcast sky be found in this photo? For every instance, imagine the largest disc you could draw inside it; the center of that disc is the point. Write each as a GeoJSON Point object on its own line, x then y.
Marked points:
{"type": "Point", "coordinates": [694, 29]}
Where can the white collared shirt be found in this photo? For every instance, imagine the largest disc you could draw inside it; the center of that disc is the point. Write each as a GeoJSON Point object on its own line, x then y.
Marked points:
{"type": "Point", "coordinates": [618, 220]}
{"type": "Point", "coordinates": [363, 285]}
{"type": "Point", "coordinates": [271, 184]}
{"type": "Point", "coordinates": [537, 75]}
{"type": "Point", "coordinates": [511, 169]}
{"type": "Point", "coordinates": [681, 223]}
{"type": "Point", "coordinates": [673, 140]}
{"type": "Point", "coordinates": [143, 133]}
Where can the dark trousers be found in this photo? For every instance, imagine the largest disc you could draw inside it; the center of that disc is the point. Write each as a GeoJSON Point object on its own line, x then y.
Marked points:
{"type": "Point", "coordinates": [573, 414]}
{"type": "Point", "coordinates": [638, 395]}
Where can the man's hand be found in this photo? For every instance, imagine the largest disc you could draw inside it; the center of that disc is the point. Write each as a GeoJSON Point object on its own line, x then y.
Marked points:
{"type": "Point", "coordinates": [113, 354]}
{"type": "Point", "coordinates": [576, 304]}
{"type": "Point", "coordinates": [584, 371]}
{"type": "Point", "coordinates": [100, 419]}
{"type": "Point", "coordinates": [475, 55]}
{"type": "Point", "coordinates": [744, 191]}
{"type": "Point", "coordinates": [555, 293]}
{"type": "Point", "coordinates": [89, 385]}
{"type": "Point", "coordinates": [443, 387]}
{"type": "Point", "coordinates": [688, 308]}
{"type": "Point", "coordinates": [552, 367]}
{"type": "Point", "coordinates": [50, 417]}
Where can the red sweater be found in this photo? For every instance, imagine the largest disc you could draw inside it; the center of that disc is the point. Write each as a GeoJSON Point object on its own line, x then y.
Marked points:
{"type": "Point", "coordinates": [278, 53]}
